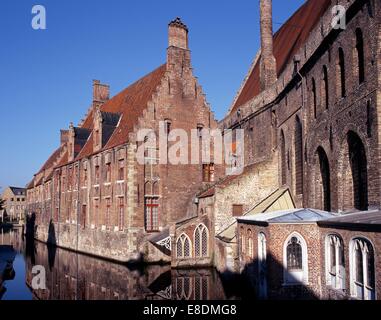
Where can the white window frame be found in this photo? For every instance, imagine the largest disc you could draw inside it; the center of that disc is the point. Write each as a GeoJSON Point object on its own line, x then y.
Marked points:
{"type": "Point", "coordinates": [200, 228]}
{"type": "Point", "coordinates": [182, 239]}
{"type": "Point", "coordinates": [337, 280]}
{"type": "Point", "coordinates": [291, 278]}
{"type": "Point", "coordinates": [356, 289]}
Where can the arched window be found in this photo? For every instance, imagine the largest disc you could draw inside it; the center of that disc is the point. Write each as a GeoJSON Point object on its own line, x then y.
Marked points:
{"type": "Point", "coordinates": [360, 55]}
{"type": "Point", "coordinates": [201, 239]}
{"type": "Point", "coordinates": [262, 250]}
{"type": "Point", "coordinates": [183, 246]}
{"type": "Point", "coordinates": [335, 265]}
{"type": "Point", "coordinates": [362, 273]}
{"type": "Point", "coordinates": [324, 180]}
{"type": "Point", "coordinates": [183, 288]}
{"type": "Point", "coordinates": [283, 157]}
{"type": "Point", "coordinates": [262, 267]}
{"type": "Point", "coordinates": [325, 88]}
{"type": "Point", "coordinates": [341, 74]}
{"type": "Point", "coordinates": [242, 241]}
{"type": "Point", "coordinates": [295, 260]}
{"type": "Point", "coordinates": [359, 171]}
{"type": "Point", "coordinates": [298, 156]}
{"type": "Point", "coordinates": [201, 288]}
{"type": "Point", "coordinates": [314, 97]}
{"type": "Point", "coordinates": [294, 254]}
{"type": "Point", "coordinates": [250, 251]}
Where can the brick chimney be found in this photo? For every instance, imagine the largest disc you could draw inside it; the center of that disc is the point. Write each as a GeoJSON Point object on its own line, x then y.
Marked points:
{"type": "Point", "coordinates": [268, 73]}
{"type": "Point", "coordinates": [178, 54]}
{"type": "Point", "coordinates": [178, 34]}
{"type": "Point", "coordinates": [64, 136]}
{"type": "Point", "coordinates": [101, 93]}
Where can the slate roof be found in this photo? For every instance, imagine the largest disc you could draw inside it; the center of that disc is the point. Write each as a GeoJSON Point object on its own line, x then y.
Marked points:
{"type": "Point", "coordinates": [18, 191]}
{"type": "Point", "coordinates": [367, 219]}
{"type": "Point", "coordinates": [287, 41]}
{"type": "Point", "coordinates": [289, 216]}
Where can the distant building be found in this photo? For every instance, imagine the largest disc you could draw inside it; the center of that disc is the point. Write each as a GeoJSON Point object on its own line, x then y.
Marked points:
{"type": "Point", "coordinates": [15, 203]}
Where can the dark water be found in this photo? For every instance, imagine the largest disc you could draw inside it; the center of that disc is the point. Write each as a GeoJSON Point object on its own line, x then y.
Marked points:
{"type": "Point", "coordinates": [72, 276]}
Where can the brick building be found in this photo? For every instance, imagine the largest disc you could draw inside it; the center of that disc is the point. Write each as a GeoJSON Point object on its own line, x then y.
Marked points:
{"type": "Point", "coordinates": [93, 194]}
{"type": "Point", "coordinates": [15, 204]}
{"type": "Point", "coordinates": [309, 111]}
{"type": "Point", "coordinates": [312, 254]}
{"type": "Point", "coordinates": [309, 108]}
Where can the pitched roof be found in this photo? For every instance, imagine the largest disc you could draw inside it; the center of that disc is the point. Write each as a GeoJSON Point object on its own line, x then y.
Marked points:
{"type": "Point", "coordinates": [365, 219]}
{"type": "Point", "coordinates": [18, 191]}
{"type": "Point", "coordinates": [53, 158]}
{"type": "Point", "coordinates": [289, 216]}
{"type": "Point", "coordinates": [287, 41]}
{"type": "Point", "coordinates": [130, 104]}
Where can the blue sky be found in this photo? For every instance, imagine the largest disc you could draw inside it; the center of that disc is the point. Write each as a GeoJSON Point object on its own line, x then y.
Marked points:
{"type": "Point", "coordinates": [46, 75]}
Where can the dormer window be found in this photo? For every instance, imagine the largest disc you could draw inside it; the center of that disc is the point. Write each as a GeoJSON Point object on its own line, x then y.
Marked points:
{"type": "Point", "coordinates": [97, 174]}
{"type": "Point", "coordinates": [108, 172]}
{"type": "Point", "coordinates": [97, 138]}
{"type": "Point", "coordinates": [121, 170]}
{"type": "Point", "coordinates": [200, 127]}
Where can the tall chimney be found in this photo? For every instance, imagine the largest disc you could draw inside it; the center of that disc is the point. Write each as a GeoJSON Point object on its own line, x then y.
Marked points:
{"type": "Point", "coordinates": [178, 34]}
{"type": "Point", "coordinates": [178, 54]}
{"type": "Point", "coordinates": [101, 92]}
{"type": "Point", "coordinates": [268, 73]}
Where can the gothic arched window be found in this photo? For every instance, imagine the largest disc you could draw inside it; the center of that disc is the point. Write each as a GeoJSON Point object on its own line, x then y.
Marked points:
{"type": "Point", "coordinates": [201, 239]}
{"type": "Point", "coordinates": [183, 246]}
{"type": "Point", "coordinates": [335, 266]}
{"type": "Point", "coordinates": [295, 260]}
{"type": "Point", "coordinates": [360, 57]}
{"type": "Point", "coordinates": [361, 257]}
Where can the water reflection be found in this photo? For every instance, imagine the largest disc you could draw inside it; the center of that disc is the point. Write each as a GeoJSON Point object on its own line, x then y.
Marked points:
{"type": "Point", "coordinates": [72, 276]}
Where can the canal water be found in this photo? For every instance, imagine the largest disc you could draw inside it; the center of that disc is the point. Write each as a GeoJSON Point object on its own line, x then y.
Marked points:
{"type": "Point", "coordinates": [66, 275]}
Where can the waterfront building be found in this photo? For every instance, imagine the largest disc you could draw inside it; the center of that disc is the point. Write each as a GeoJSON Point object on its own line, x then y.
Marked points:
{"type": "Point", "coordinates": [15, 203]}
{"type": "Point", "coordinates": [310, 109]}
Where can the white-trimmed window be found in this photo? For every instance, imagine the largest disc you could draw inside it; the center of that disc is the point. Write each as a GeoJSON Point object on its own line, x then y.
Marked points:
{"type": "Point", "coordinates": [295, 260]}
{"type": "Point", "coordinates": [262, 250]}
{"type": "Point", "coordinates": [362, 271]}
{"type": "Point", "coordinates": [201, 239]}
{"type": "Point", "coordinates": [262, 267]}
{"type": "Point", "coordinates": [250, 249]}
{"type": "Point", "coordinates": [242, 240]}
{"type": "Point", "coordinates": [183, 247]}
{"type": "Point", "coordinates": [334, 262]}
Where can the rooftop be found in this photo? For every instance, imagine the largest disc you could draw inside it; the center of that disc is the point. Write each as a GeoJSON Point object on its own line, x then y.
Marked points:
{"type": "Point", "coordinates": [368, 219]}
{"type": "Point", "coordinates": [290, 216]}
{"type": "Point", "coordinates": [287, 41]}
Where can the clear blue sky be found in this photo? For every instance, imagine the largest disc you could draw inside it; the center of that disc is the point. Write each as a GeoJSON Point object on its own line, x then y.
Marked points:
{"type": "Point", "coordinates": [46, 75]}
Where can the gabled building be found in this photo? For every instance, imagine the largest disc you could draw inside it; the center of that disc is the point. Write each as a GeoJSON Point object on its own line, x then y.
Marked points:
{"type": "Point", "coordinates": [15, 204]}
{"type": "Point", "coordinates": [93, 195]}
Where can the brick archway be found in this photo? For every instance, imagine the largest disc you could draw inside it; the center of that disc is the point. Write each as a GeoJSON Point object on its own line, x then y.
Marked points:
{"type": "Point", "coordinates": [353, 174]}
{"type": "Point", "coordinates": [322, 180]}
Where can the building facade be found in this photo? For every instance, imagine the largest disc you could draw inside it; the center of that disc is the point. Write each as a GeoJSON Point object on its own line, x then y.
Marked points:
{"type": "Point", "coordinates": [309, 108]}
{"type": "Point", "coordinates": [310, 254]}
{"type": "Point", "coordinates": [94, 195]}
{"type": "Point", "coordinates": [15, 204]}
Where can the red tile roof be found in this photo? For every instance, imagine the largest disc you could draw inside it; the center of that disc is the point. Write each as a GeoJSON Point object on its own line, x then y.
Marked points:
{"type": "Point", "coordinates": [287, 41]}
{"type": "Point", "coordinates": [130, 103]}
{"type": "Point", "coordinates": [208, 193]}
{"type": "Point", "coordinates": [49, 163]}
